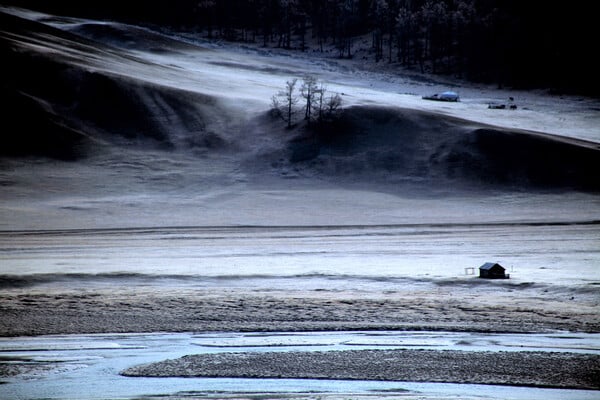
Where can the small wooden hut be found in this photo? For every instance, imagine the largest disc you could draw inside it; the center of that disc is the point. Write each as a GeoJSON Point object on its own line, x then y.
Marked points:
{"type": "Point", "coordinates": [493, 271]}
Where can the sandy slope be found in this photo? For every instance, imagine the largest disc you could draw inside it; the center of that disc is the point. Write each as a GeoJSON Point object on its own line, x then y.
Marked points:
{"type": "Point", "coordinates": [161, 129]}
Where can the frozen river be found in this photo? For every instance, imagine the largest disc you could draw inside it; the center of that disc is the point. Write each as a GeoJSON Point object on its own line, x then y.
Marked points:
{"type": "Point", "coordinates": [88, 366]}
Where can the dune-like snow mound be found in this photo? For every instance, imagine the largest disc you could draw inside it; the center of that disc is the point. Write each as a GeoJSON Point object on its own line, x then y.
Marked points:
{"type": "Point", "coordinates": [403, 144]}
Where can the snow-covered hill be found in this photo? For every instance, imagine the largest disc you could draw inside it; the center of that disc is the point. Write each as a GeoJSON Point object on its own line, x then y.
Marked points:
{"type": "Point", "coordinates": [111, 124]}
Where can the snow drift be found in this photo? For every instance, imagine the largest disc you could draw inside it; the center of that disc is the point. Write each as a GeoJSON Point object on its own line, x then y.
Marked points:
{"type": "Point", "coordinates": [60, 107]}
{"type": "Point", "coordinates": [402, 144]}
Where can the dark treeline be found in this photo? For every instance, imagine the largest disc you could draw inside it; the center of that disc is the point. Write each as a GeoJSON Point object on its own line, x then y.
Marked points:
{"type": "Point", "coordinates": [516, 43]}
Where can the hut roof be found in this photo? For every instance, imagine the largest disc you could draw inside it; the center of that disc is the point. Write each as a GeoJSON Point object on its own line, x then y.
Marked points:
{"type": "Point", "coordinates": [488, 266]}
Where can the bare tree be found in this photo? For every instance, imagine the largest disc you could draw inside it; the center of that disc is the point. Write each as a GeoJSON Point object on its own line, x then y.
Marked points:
{"type": "Point", "coordinates": [334, 105]}
{"type": "Point", "coordinates": [284, 103]}
{"type": "Point", "coordinates": [308, 91]}
{"type": "Point", "coordinates": [319, 100]}
{"type": "Point", "coordinates": [326, 107]}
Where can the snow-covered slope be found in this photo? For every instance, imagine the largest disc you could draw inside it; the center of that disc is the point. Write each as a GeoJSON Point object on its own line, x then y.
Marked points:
{"type": "Point", "coordinates": [153, 129]}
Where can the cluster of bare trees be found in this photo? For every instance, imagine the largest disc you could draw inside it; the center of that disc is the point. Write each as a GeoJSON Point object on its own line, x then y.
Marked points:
{"type": "Point", "coordinates": [316, 104]}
